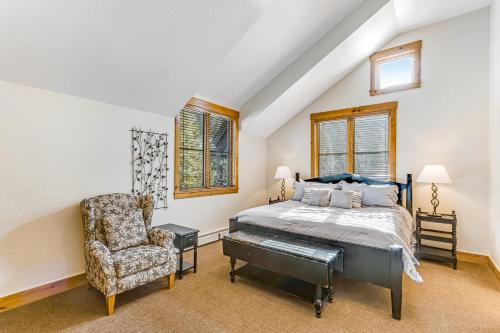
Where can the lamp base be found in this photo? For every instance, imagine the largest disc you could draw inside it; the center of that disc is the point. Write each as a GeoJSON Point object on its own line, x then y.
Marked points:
{"type": "Point", "coordinates": [283, 193]}
{"type": "Point", "coordinates": [434, 200]}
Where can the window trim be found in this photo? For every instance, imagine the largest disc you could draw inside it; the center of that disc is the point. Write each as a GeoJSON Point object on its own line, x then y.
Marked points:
{"type": "Point", "coordinates": [208, 107]}
{"type": "Point", "coordinates": [349, 114]}
{"type": "Point", "coordinates": [377, 57]}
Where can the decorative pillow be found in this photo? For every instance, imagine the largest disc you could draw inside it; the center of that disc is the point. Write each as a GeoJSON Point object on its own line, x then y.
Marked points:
{"type": "Point", "coordinates": [306, 198]}
{"type": "Point", "coordinates": [125, 229]}
{"type": "Point", "coordinates": [299, 187]}
{"type": "Point", "coordinates": [341, 199]}
{"type": "Point", "coordinates": [357, 199]}
{"type": "Point", "coordinates": [319, 197]}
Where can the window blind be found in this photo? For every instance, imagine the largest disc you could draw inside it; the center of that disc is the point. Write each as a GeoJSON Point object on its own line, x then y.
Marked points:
{"type": "Point", "coordinates": [371, 146]}
{"type": "Point", "coordinates": [220, 151]}
{"type": "Point", "coordinates": [191, 148]}
{"type": "Point", "coordinates": [333, 141]}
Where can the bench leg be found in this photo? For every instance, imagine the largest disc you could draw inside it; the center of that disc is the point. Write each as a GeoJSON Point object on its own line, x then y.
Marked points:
{"type": "Point", "coordinates": [231, 273]}
{"type": "Point", "coordinates": [330, 284]}
{"type": "Point", "coordinates": [318, 303]}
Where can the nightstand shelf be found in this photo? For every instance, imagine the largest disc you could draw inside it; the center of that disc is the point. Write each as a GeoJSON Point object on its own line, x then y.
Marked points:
{"type": "Point", "coordinates": [437, 235]}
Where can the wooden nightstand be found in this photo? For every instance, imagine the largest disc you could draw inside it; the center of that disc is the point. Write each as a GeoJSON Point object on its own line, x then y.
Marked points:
{"type": "Point", "coordinates": [185, 239]}
{"type": "Point", "coordinates": [430, 232]}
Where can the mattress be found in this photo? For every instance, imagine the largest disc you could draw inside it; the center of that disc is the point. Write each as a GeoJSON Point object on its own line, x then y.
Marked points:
{"type": "Point", "coordinates": [378, 227]}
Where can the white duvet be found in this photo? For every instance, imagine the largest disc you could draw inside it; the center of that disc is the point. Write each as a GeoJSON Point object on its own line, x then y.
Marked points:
{"type": "Point", "coordinates": [373, 226]}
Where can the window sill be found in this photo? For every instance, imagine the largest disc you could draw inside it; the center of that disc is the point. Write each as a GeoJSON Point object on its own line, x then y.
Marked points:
{"type": "Point", "coordinates": [204, 192]}
{"type": "Point", "coordinates": [395, 88]}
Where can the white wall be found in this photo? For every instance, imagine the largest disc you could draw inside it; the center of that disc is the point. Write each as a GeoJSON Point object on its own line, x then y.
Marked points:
{"type": "Point", "coordinates": [495, 130]}
{"type": "Point", "coordinates": [445, 121]}
{"type": "Point", "coordinates": [56, 150]}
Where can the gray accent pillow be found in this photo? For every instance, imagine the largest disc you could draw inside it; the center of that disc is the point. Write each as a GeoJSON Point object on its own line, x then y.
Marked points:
{"type": "Point", "coordinates": [341, 199]}
{"type": "Point", "coordinates": [320, 197]}
{"type": "Point", "coordinates": [125, 229]}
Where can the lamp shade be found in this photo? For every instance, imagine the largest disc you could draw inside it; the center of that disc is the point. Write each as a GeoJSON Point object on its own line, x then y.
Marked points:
{"type": "Point", "coordinates": [434, 173]}
{"type": "Point", "coordinates": [282, 172]}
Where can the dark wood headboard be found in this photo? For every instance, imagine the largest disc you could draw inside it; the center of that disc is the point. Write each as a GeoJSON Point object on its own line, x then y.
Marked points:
{"type": "Point", "coordinates": [406, 188]}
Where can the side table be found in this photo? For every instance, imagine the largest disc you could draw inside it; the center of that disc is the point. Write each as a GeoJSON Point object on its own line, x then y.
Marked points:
{"type": "Point", "coordinates": [185, 239]}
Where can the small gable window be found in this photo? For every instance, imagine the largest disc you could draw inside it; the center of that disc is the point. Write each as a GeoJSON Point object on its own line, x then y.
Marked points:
{"type": "Point", "coordinates": [395, 69]}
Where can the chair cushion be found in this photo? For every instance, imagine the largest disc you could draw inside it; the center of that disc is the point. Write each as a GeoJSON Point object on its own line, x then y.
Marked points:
{"type": "Point", "coordinates": [140, 258]}
{"type": "Point", "coordinates": [125, 229]}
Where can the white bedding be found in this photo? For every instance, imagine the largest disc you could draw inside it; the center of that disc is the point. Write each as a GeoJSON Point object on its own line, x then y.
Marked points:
{"type": "Point", "coordinates": [378, 227]}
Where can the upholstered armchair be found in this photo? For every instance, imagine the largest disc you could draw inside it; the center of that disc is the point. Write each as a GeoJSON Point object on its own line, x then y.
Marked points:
{"type": "Point", "coordinates": [122, 250]}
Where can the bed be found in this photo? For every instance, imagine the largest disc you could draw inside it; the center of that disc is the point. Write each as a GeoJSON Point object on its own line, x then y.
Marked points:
{"type": "Point", "coordinates": [377, 242]}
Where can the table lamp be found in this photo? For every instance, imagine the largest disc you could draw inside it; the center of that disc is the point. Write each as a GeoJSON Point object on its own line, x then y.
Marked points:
{"type": "Point", "coordinates": [434, 174]}
{"type": "Point", "coordinates": [283, 172]}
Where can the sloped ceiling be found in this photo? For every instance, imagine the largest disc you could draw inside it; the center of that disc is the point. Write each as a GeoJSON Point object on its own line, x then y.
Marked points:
{"type": "Point", "coordinates": [148, 54]}
{"type": "Point", "coordinates": [283, 33]}
{"type": "Point", "coordinates": [339, 51]}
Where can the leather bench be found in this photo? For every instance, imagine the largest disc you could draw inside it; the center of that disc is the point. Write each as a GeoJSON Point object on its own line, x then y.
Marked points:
{"type": "Point", "coordinates": [302, 268]}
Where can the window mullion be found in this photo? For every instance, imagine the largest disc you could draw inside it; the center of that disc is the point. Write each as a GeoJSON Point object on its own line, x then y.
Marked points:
{"type": "Point", "coordinates": [206, 150]}
{"type": "Point", "coordinates": [350, 144]}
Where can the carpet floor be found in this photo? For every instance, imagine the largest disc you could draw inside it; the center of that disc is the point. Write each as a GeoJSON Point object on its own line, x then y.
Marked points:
{"type": "Point", "coordinates": [448, 301]}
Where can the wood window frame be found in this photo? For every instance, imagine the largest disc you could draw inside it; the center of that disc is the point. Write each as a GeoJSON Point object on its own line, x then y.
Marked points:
{"type": "Point", "coordinates": [349, 114]}
{"type": "Point", "coordinates": [413, 48]}
{"type": "Point", "coordinates": [234, 116]}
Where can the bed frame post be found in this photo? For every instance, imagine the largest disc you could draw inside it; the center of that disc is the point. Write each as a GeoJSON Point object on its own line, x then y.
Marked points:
{"type": "Point", "coordinates": [297, 176]}
{"type": "Point", "coordinates": [396, 280]}
{"type": "Point", "coordinates": [409, 193]}
{"type": "Point", "coordinates": [233, 224]}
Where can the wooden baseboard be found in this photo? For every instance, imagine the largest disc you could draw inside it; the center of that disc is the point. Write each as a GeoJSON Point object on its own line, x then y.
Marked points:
{"type": "Point", "coordinates": [31, 295]}
{"type": "Point", "coordinates": [473, 257]}
{"type": "Point", "coordinates": [479, 259]}
{"type": "Point", "coordinates": [494, 267]}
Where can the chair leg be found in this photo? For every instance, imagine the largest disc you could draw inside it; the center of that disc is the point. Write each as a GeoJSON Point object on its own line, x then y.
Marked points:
{"type": "Point", "coordinates": [170, 280]}
{"type": "Point", "coordinates": [110, 304]}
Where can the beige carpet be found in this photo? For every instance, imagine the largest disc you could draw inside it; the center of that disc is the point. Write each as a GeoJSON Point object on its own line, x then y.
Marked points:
{"type": "Point", "coordinates": [448, 301]}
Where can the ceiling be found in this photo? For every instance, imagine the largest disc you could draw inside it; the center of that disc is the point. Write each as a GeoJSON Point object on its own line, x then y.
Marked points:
{"type": "Point", "coordinates": [267, 58]}
{"type": "Point", "coordinates": [146, 55]}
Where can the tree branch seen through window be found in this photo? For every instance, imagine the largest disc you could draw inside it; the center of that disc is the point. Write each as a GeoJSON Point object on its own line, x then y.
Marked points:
{"type": "Point", "coordinates": [206, 150]}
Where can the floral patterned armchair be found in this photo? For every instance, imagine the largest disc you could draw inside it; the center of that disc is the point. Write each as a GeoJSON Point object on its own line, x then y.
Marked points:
{"type": "Point", "coordinates": [115, 271]}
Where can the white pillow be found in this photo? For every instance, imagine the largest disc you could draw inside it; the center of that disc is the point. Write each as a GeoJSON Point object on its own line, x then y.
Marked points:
{"type": "Point", "coordinates": [299, 187]}
{"type": "Point", "coordinates": [298, 190]}
{"type": "Point", "coordinates": [379, 196]}
{"type": "Point", "coordinates": [319, 196]}
{"type": "Point", "coordinates": [374, 195]}
{"type": "Point", "coordinates": [341, 199]}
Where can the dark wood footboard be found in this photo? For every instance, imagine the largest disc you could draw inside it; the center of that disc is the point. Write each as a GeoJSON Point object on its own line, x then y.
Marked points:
{"type": "Point", "coordinates": [363, 263]}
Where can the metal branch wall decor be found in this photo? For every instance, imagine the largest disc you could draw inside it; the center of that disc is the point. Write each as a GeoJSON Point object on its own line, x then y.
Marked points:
{"type": "Point", "coordinates": [149, 165]}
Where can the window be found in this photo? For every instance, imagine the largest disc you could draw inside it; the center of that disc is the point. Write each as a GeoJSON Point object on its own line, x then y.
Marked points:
{"type": "Point", "coordinates": [395, 69]}
{"type": "Point", "coordinates": [206, 152]}
{"type": "Point", "coordinates": [359, 140]}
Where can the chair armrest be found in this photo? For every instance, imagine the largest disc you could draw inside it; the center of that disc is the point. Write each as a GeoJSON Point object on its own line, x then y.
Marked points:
{"type": "Point", "coordinates": [99, 259]}
{"type": "Point", "coordinates": [161, 237]}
